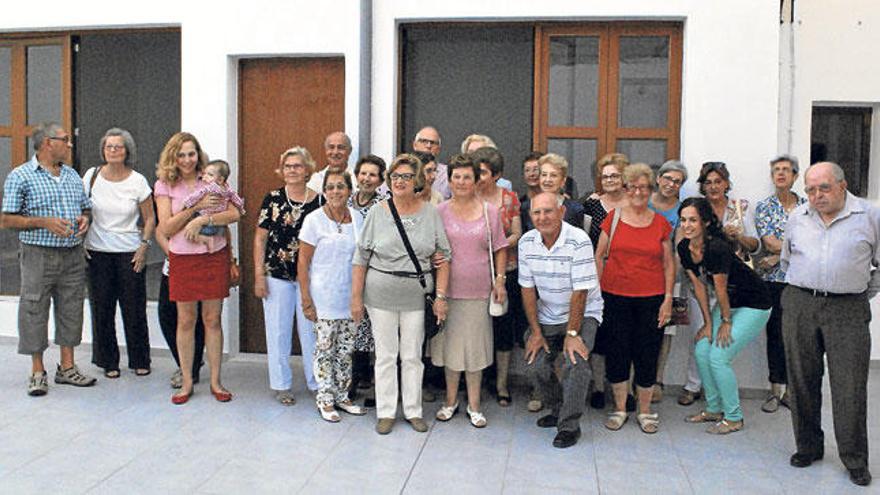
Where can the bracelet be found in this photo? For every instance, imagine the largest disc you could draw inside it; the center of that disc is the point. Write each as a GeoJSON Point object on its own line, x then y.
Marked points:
{"type": "Point", "coordinates": [210, 220]}
{"type": "Point", "coordinates": [440, 297]}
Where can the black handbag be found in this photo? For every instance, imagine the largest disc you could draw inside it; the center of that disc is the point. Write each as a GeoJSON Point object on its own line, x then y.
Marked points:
{"type": "Point", "coordinates": [432, 328]}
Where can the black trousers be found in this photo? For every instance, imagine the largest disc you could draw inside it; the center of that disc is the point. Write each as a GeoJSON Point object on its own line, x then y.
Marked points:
{"type": "Point", "coordinates": [168, 322]}
{"type": "Point", "coordinates": [835, 328]}
{"type": "Point", "coordinates": [775, 345]}
{"type": "Point", "coordinates": [633, 338]}
{"type": "Point", "coordinates": [112, 281]}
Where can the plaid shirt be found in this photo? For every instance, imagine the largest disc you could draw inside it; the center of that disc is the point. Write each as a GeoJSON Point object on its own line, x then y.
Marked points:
{"type": "Point", "coordinates": [32, 191]}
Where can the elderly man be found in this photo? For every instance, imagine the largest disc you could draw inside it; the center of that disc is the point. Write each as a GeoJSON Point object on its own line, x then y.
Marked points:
{"type": "Point", "coordinates": [830, 255]}
{"type": "Point", "coordinates": [563, 305]}
{"type": "Point", "coordinates": [337, 149]}
{"type": "Point", "coordinates": [427, 140]}
{"type": "Point", "coordinates": [45, 201]}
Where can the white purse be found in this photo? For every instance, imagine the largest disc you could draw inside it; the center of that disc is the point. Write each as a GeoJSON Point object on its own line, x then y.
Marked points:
{"type": "Point", "coordinates": [495, 309]}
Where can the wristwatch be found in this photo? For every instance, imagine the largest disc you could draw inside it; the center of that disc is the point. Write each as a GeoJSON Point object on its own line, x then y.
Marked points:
{"type": "Point", "coordinates": [726, 320]}
{"type": "Point", "coordinates": [146, 242]}
{"type": "Point", "coordinates": [572, 333]}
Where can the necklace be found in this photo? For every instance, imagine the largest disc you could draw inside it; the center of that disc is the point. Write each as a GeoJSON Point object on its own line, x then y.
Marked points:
{"type": "Point", "coordinates": [337, 222]}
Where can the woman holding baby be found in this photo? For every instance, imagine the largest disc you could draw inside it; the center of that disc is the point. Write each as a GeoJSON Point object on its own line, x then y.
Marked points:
{"type": "Point", "coordinates": [198, 272]}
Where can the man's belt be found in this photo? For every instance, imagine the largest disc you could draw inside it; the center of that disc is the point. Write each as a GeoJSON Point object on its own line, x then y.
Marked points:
{"type": "Point", "coordinates": [824, 293]}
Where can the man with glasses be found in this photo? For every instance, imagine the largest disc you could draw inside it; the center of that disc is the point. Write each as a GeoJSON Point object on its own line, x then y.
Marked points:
{"type": "Point", "coordinates": [427, 140]}
{"type": "Point", "coordinates": [45, 201]}
{"type": "Point", "coordinates": [337, 149]}
{"type": "Point", "coordinates": [830, 254]}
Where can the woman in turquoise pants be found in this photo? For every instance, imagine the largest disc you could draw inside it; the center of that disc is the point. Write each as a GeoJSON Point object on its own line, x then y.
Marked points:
{"type": "Point", "coordinates": [742, 310]}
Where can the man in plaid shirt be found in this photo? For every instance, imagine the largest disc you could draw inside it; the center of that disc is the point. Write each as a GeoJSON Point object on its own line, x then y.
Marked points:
{"type": "Point", "coordinates": [44, 200]}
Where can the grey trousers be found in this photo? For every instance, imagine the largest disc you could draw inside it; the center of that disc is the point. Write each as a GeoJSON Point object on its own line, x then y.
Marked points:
{"type": "Point", "coordinates": [568, 399]}
{"type": "Point", "coordinates": [837, 327]}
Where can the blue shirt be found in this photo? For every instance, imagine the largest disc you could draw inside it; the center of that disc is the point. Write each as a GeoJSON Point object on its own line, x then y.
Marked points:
{"type": "Point", "coordinates": [32, 191]}
{"type": "Point", "coordinates": [671, 215]}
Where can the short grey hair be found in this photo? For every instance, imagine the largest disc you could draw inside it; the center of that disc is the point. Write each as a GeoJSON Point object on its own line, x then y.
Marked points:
{"type": "Point", "coordinates": [419, 134]}
{"type": "Point", "coordinates": [486, 140]}
{"type": "Point", "coordinates": [795, 167]}
{"type": "Point", "coordinates": [673, 166]}
{"type": "Point", "coordinates": [44, 130]}
{"type": "Point", "coordinates": [127, 141]}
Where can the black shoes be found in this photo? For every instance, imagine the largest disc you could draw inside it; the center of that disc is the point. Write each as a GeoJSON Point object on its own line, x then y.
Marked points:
{"type": "Point", "coordinates": [548, 421]}
{"type": "Point", "coordinates": [799, 460]}
{"type": "Point", "coordinates": [597, 400]}
{"type": "Point", "coordinates": [567, 438]}
{"type": "Point", "coordinates": [859, 476]}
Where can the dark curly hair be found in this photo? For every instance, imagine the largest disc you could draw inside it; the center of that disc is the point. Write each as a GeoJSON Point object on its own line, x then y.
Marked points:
{"type": "Point", "coordinates": [713, 228]}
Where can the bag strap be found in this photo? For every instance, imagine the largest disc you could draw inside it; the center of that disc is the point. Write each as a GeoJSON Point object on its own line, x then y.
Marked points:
{"type": "Point", "coordinates": [614, 221]}
{"type": "Point", "coordinates": [406, 244]}
{"type": "Point", "coordinates": [489, 234]}
{"type": "Point", "coordinates": [93, 179]}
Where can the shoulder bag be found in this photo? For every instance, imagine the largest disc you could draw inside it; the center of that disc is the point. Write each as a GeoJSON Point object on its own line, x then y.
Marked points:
{"type": "Point", "coordinates": [495, 309]}
{"type": "Point", "coordinates": [432, 328]}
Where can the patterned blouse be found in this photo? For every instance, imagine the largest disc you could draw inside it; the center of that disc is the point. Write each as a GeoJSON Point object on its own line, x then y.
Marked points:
{"type": "Point", "coordinates": [363, 210]}
{"type": "Point", "coordinates": [283, 218]}
{"type": "Point", "coordinates": [594, 208]}
{"type": "Point", "coordinates": [770, 219]}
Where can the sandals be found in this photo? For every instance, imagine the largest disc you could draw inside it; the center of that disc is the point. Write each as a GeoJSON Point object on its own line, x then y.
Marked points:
{"type": "Point", "coordinates": [503, 399]}
{"type": "Point", "coordinates": [478, 420]}
{"type": "Point", "coordinates": [649, 423]}
{"type": "Point", "coordinates": [704, 417]}
{"type": "Point", "coordinates": [446, 413]}
{"type": "Point", "coordinates": [328, 413]}
{"type": "Point", "coordinates": [111, 374]}
{"type": "Point", "coordinates": [285, 397]}
{"type": "Point", "coordinates": [616, 420]}
{"type": "Point", "coordinates": [351, 408]}
{"type": "Point", "coordinates": [724, 427]}
{"type": "Point", "coordinates": [142, 371]}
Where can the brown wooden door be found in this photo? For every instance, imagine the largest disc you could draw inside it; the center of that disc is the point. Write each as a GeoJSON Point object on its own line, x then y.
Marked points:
{"type": "Point", "coordinates": [283, 102]}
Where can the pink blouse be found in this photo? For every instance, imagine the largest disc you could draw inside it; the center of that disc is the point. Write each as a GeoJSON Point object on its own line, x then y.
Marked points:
{"type": "Point", "coordinates": [178, 193]}
{"type": "Point", "coordinates": [469, 275]}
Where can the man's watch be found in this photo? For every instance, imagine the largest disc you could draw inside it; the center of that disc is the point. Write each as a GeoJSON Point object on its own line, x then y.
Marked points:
{"type": "Point", "coordinates": [572, 333]}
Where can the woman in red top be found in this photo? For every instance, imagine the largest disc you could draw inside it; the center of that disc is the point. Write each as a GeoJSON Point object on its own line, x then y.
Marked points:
{"type": "Point", "coordinates": [636, 272]}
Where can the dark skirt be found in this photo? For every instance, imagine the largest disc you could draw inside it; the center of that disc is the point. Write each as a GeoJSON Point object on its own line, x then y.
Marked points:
{"type": "Point", "coordinates": [198, 277]}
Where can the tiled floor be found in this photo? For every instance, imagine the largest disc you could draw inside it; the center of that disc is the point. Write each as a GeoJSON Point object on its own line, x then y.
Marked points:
{"type": "Point", "coordinates": [125, 436]}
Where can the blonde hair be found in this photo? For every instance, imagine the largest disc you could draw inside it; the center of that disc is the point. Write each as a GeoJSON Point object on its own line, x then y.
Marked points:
{"type": "Point", "coordinates": [301, 152]}
{"type": "Point", "coordinates": [166, 169]}
{"type": "Point", "coordinates": [633, 172]}
{"type": "Point", "coordinates": [618, 160]}
{"type": "Point", "coordinates": [412, 161]}
{"type": "Point", "coordinates": [555, 160]}
{"type": "Point", "coordinates": [486, 140]}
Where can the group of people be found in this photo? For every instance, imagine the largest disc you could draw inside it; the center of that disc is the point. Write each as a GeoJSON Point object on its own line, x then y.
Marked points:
{"type": "Point", "coordinates": [370, 262]}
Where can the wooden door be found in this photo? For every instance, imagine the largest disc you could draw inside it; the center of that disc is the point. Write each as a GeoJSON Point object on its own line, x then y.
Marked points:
{"type": "Point", "coordinates": [283, 102]}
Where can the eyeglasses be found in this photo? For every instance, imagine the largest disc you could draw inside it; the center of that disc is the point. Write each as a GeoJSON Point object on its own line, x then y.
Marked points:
{"type": "Point", "coordinates": [674, 182]}
{"type": "Point", "coordinates": [710, 166]}
{"type": "Point", "coordinates": [66, 139]}
{"type": "Point", "coordinates": [293, 166]}
{"type": "Point", "coordinates": [632, 188]}
{"type": "Point", "coordinates": [611, 177]}
{"type": "Point", "coordinates": [336, 187]}
{"type": "Point", "coordinates": [428, 142]}
{"type": "Point", "coordinates": [403, 177]}
{"type": "Point", "coordinates": [114, 147]}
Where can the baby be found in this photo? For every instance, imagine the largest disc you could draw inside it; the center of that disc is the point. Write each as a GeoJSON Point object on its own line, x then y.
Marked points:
{"type": "Point", "coordinates": [214, 182]}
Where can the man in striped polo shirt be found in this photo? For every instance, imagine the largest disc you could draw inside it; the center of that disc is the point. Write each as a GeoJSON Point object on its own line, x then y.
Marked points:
{"type": "Point", "coordinates": [563, 304]}
{"type": "Point", "coordinates": [44, 200]}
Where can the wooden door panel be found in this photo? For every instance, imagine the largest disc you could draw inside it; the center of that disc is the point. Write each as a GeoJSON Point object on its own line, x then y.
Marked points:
{"type": "Point", "coordinates": [283, 102]}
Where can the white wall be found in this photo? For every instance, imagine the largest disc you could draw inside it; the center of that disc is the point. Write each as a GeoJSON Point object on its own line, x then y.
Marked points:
{"type": "Point", "coordinates": [836, 63]}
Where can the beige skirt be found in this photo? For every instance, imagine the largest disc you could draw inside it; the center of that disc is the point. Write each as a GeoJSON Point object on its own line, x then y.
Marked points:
{"type": "Point", "coordinates": [466, 342]}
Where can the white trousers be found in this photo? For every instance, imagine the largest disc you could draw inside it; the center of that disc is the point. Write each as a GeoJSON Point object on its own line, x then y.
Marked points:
{"type": "Point", "coordinates": [279, 307]}
{"type": "Point", "coordinates": [398, 333]}
{"type": "Point", "coordinates": [694, 383]}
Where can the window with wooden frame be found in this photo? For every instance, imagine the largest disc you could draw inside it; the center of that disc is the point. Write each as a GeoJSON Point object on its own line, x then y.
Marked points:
{"type": "Point", "coordinates": [606, 87]}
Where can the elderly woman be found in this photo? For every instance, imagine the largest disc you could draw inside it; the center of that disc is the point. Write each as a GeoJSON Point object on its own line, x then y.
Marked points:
{"type": "Point", "coordinates": [665, 201]}
{"type": "Point", "coordinates": [369, 171]}
{"type": "Point", "coordinates": [476, 141]}
{"type": "Point", "coordinates": [386, 282]}
{"type": "Point", "coordinates": [117, 248]}
{"type": "Point", "coordinates": [742, 311]}
{"type": "Point", "coordinates": [466, 343]}
{"type": "Point", "coordinates": [736, 217]}
{"type": "Point", "coordinates": [554, 170]}
{"type": "Point", "coordinates": [609, 194]}
{"type": "Point", "coordinates": [771, 215]}
{"type": "Point", "coordinates": [505, 327]}
{"type": "Point", "coordinates": [637, 271]}
{"type": "Point", "coordinates": [196, 272]}
{"type": "Point", "coordinates": [429, 167]}
{"type": "Point", "coordinates": [276, 249]}
{"type": "Point", "coordinates": [327, 243]}
{"type": "Point", "coordinates": [531, 173]}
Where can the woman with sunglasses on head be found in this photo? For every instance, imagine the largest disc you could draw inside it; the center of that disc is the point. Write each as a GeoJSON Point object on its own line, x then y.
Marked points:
{"type": "Point", "coordinates": [742, 310]}
{"type": "Point", "coordinates": [385, 282]}
{"type": "Point", "coordinates": [736, 215]}
{"type": "Point", "coordinates": [636, 269]}
{"type": "Point", "coordinates": [327, 243]}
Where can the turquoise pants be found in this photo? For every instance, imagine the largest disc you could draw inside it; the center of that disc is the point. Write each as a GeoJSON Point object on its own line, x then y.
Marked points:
{"type": "Point", "coordinates": [715, 363]}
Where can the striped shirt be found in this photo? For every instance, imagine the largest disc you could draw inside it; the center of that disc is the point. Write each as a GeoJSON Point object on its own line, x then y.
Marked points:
{"type": "Point", "coordinates": [32, 191]}
{"type": "Point", "coordinates": [556, 272]}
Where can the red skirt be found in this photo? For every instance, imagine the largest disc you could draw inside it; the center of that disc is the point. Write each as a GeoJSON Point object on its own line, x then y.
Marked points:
{"type": "Point", "coordinates": [198, 277]}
